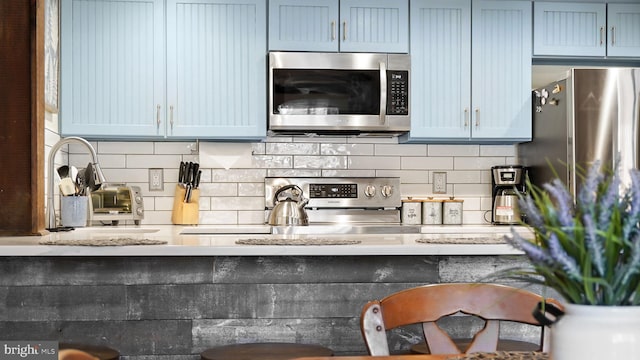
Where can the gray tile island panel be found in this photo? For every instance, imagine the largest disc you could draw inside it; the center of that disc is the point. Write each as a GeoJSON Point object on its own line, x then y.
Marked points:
{"type": "Point", "coordinates": [175, 307]}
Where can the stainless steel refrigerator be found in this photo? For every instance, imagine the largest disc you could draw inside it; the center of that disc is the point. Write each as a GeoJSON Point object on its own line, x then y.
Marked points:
{"type": "Point", "coordinates": [591, 114]}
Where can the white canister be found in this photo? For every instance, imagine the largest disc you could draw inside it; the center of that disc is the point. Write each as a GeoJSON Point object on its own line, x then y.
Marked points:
{"type": "Point", "coordinates": [411, 211]}
{"type": "Point", "coordinates": [432, 211]}
{"type": "Point", "coordinates": [452, 211]}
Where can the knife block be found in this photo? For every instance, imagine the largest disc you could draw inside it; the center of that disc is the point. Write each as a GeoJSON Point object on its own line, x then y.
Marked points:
{"type": "Point", "coordinates": [184, 213]}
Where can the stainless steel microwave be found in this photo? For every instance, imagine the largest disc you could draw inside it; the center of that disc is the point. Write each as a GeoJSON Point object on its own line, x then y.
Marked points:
{"type": "Point", "coordinates": [338, 93]}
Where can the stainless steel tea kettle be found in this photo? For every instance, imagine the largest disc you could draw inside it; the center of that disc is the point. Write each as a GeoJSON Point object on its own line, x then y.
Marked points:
{"type": "Point", "coordinates": [289, 208]}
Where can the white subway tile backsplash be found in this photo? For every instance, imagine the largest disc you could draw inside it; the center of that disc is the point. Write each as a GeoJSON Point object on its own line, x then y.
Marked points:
{"type": "Point", "coordinates": [272, 161]}
{"type": "Point", "coordinates": [401, 150]}
{"type": "Point", "coordinates": [186, 148]}
{"type": "Point", "coordinates": [320, 162]}
{"type": "Point", "coordinates": [292, 149]}
{"type": "Point", "coordinates": [346, 149]}
{"type": "Point", "coordinates": [219, 189]}
{"type": "Point", "coordinates": [251, 189]}
{"type": "Point", "coordinates": [453, 150]}
{"type": "Point", "coordinates": [374, 162]}
{"type": "Point", "coordinates": [497, 150]}
{"type": "Point", "coordinates": [237, 203]}
{"type": "Point", "coordinates": [348, 173]}
{"type": "Point", "coordinates": [477, 163]}
{"type": "Point", "coordinates": [152, 161]}
{"type": "Point", "coordinates": [427, 163]}
{"type": "Point", "coordinates": [127, 148]}
{"type": "Point", "coordinates": [238, 175]}
{"type": "Point", "coordinates": [471, 189]}
{"type": "Point", "coordinates": [236, 195]}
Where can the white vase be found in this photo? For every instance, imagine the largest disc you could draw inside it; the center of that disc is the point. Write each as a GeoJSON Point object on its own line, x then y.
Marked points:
{"type": "Point", "coordinates": [589, 332]}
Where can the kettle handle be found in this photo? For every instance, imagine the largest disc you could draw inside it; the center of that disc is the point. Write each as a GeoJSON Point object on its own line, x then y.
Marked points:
{"type": "Point", "coordinates": [286, 187]}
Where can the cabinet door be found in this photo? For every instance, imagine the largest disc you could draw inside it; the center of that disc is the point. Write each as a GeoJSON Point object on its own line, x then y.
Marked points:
{"type": "Point", "coordinates": [303, 25]}
{"type": "Point", "coordinates": [216, 68]}
{"type": "Point", "coordinates": [440, 69]}
{"type": "Point", "coordinates": [374, 26]}
{"type": "Point", "coordinates": [501, 70]}
{"type": "Point", "coordinates": [623, 21]}
{"type": "Point", "coordinates": [112, 68]}
{"type": "Point", "coordinates": [569, 29]}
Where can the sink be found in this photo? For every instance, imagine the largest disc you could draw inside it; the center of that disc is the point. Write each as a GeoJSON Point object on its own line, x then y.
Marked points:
{"type": "Point", "coordinates": [226, 229]}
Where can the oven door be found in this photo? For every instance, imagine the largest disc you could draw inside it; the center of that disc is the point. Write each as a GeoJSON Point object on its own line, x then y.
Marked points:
{"type": "Point", "coordinates": [330, 92]}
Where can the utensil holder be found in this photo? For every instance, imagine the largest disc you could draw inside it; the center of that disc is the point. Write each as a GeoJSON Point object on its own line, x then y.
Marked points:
{"type": "Point", "coordinates": [74, 211]}
{"type": "Point", "coordinates": [185, 213]}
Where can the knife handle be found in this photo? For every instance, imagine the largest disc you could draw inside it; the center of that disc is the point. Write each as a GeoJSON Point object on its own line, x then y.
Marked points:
{"type": "Point", "coordinates": [196, 183]}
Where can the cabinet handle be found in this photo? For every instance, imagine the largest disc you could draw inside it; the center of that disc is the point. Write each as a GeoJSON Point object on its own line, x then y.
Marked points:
{"type": "Point", "coordinates": [613, 35]}
{"type": "Point", "coordinates": [333, 31]}
{"type": "Point", "coordinates": [344, 31]}
{"type": "Point", "coordinates": [171, 116]}
{"type": "Point", "coordinates": [601, 34]}
{"type": "Point", "coordinates": [466, 117]}
{"type": "Point", "coordinates": [158, 115]}
{"type": "Point", "coordinates": [477, 117]}
{"type": "Point", "coordinates": [383, 93]}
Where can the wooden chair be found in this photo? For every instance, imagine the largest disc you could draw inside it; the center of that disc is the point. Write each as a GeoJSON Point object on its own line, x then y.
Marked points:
{"type": "Point", "coordinates": [427, 304]}
{"type": "Point", "coordinates": [75, 354]}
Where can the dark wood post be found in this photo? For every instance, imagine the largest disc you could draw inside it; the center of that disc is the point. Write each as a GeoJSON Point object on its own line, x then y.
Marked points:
{"type": "Point", "coordinates": [21, 117]}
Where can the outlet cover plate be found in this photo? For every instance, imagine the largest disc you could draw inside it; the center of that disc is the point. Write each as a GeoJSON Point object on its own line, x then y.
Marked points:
{"type": "Point", "coordinates": [439, 182]}
{"type": "Point", "coordinates": [156, 180]}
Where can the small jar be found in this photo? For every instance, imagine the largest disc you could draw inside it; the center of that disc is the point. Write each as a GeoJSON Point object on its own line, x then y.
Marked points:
{"type": "Point", "coordinates": [432, 211]}
{"type": "Point", "coordinates": [452, 211]}
{"type": "Point", "coordinates": [411, 211]}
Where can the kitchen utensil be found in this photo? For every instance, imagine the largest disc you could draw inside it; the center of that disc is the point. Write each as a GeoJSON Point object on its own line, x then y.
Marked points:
{"type": "Point", "coordinates": [80, 183]}
{"type": "Point", "coordinates": [63, 171]}
{"type": "Point", "coordinates": [90, 178]}
{"type": "Point", "coordinates": [289, 209]}
{"type": "Point", "coordinates": [67, 186]}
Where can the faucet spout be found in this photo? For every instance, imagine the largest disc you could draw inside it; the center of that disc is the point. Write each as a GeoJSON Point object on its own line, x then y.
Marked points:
{"type": "Point", "coordinates": [51, 212]}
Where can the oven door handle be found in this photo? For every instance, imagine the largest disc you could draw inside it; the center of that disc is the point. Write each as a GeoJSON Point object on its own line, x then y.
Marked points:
{"type": "Point", "coordinates": [383, 92]}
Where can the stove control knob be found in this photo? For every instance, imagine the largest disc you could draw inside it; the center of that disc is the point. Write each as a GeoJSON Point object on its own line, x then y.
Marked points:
{"type": "Point", "coordinates": [370, 191]}
{"type": "Point", "coordinates": [386, 191]}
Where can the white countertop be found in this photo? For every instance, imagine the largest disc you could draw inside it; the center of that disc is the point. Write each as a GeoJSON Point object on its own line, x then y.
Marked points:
{"type": "Point", "coordinates": [201, 241]}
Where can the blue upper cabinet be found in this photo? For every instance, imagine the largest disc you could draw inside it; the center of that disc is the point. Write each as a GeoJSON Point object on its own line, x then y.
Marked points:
{"type": "Point", "coordinates": [119, 81]}
{"type": "Point", "coordinates": [586, 29]}
{"type": "Point", "coordinates": [569, 29]}
{"type": "Point", "coordinates": [374, 26]}
{"type": "Point", "coordinates": [112, 68]}
{"type": "Point", "coordinates": [339, 25]}
{"type": "Point", "coordinates": [470, 71]}
{"type": "Point", "coordinates": [301, 25]}
{"type": "Point", "coordinates": [623, 21]}
{"type": "Point", "coordinates": [216, 69]}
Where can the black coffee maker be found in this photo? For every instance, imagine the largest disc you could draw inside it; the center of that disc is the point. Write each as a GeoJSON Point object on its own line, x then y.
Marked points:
{"type": "Point", "coordinates": [507, 184]}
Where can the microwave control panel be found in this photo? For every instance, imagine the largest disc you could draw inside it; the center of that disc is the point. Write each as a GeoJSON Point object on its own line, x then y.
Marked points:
{"type": "Point", "coordinates": [397, 92]}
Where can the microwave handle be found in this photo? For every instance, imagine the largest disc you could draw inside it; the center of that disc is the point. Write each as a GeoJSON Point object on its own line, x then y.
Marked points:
{"type": "Point", "coordinates": [383, 93]}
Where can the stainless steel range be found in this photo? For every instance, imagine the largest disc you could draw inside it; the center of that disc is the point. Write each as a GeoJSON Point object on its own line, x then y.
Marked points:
{"type": "Point", "coordinates": [344, 205]}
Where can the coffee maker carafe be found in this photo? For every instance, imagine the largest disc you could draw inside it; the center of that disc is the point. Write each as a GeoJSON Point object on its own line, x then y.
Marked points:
{"type": "Point", "coordinates": [508, 183]}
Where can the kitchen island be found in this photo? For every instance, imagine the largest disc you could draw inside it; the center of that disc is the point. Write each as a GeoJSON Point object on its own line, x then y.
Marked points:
{"type": "Point", "coordinates": [174, 300]}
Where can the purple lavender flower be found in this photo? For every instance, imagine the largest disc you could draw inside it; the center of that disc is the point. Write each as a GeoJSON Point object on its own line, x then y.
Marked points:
{"type": "Point", "coordinates": [561, 257]}
{"type": "Point", "coordinates": [634, 262]}
{"type": "Point", "coordinates": [608, 201]}
{"type": "Point", "coordinates": [589, 188]}
{"type": "Point", "coordinates": [564, 203]}
{"type": "Point", "coordinates": [534, 217]}
{"type": "Point", "coordinates": [594, 245]}
{"type": "Point", "coordinates": [630, 226]}
{"type": "Point", "coordinates": [536, 254]}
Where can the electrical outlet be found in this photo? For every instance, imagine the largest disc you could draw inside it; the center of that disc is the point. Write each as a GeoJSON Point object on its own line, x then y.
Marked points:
{"type": "Point", "coordinates": [439, 182]}
{"type": "Point", "coordinates": [156, 180]}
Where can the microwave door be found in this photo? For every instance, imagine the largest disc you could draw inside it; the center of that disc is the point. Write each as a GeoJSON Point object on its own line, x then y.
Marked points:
{"type": "Point", "coordinates": [383, 93]}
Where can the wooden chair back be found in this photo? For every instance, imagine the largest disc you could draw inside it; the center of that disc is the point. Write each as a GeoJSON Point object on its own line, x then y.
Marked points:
{"type": "Point", "coordinates": [75, 354]}
{"type": "Point", "coordinates": [427, 304]}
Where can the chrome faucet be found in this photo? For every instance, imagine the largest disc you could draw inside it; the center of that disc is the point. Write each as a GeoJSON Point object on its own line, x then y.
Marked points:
{"type": "Point", "coordinates": [51, 211]}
